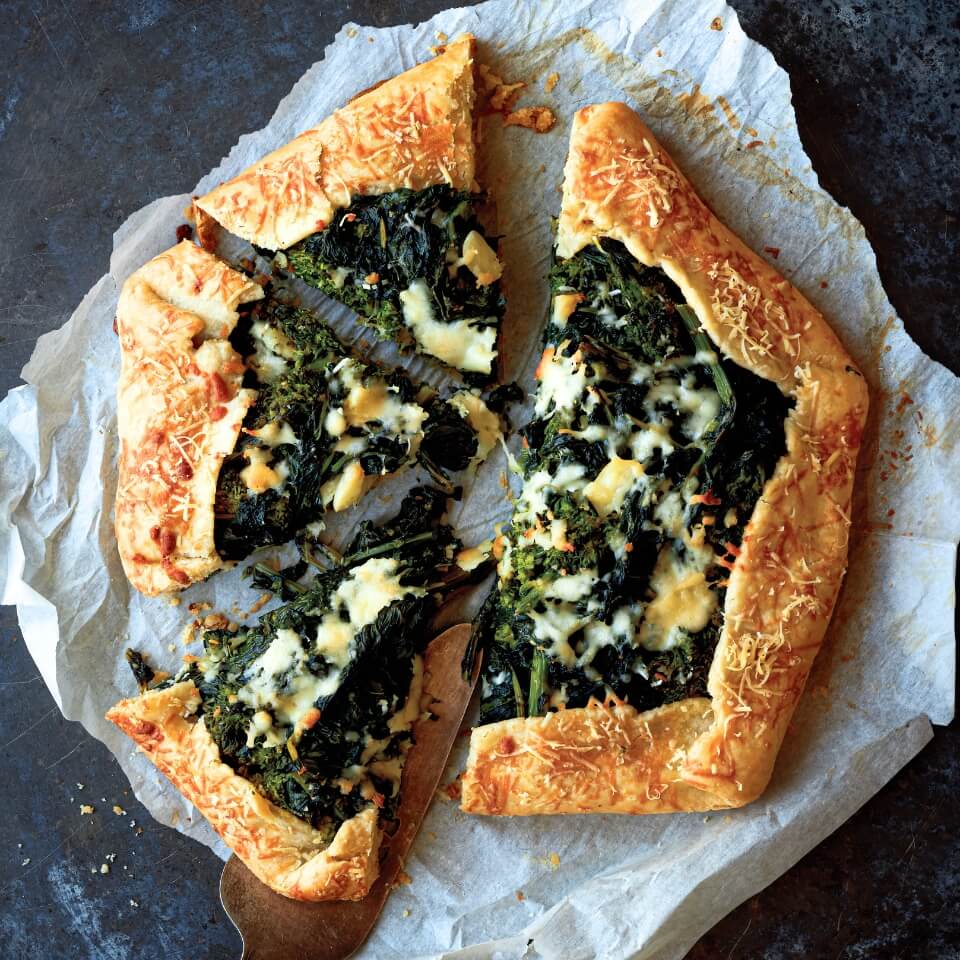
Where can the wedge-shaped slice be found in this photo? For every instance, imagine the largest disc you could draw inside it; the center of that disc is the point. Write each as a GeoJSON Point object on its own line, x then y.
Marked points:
{"type": "Point", "coordinates": [290, 736]}
{"type": "Point", "coordinates": [375, 206]}
{"type": "Point", "coordinates": [681, 535]}
{"type": "Point", "coordinates": [242, 418]}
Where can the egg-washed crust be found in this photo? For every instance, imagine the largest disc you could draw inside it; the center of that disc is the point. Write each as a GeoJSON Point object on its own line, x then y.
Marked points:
{"type": "Point", "coordinates": [281, 850]}
{"type": "Point", "coordinates": [701, 754]}
{"type": "Point", "coordinates": [180, 406]}
{"type": "Point", "coordinates": [414, 130]}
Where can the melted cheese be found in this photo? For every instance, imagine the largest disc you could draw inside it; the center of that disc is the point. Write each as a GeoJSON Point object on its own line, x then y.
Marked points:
{"type": "Point", "coordinates": [683, 601]}
{"type": "Point", "coordinates": [564, 306]}
{"type": "Point", "coordinates": [278, 684]}
{"type": "Point", "coordinates": [478, 257]}
{"type": "Point", "coordinates": [345, 490]}
{"type": "Point", "coordinates": [563, 381]}
{"type": "Point", "coordinates": [275, 434]}
{"type": "Point", "coordinates": [613, 483]}
{"type": "Point", "coordinates": [485, 423]}
{"type": "Point", "coordinates": [375, 401]}
{"type": "Point", "coordinates": [469, 558]}
{"type": "Point", "coordinates": [574, 587]}
{"type": "Point", "coordinates": [554, 627]}
{"type": "Point", "coordinates": [257, 476]}
{"type": "Point", "coordinates": [459, 343]}
{"type": "Point", "coordinates": [278, 680]}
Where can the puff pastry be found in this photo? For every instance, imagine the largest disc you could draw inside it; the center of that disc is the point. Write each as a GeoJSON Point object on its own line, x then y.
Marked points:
{"type": "Point", "coordinates": [180, 406]}
{"type": "Point", "coordinates": [717, 750]}
{"type": "Point", "coordinates": [412, 131]}
{"type": "Point", "coordinates": [290, 735]}
{"type": "Point", "coordinates": [283, 851]}
{"type": "Point", "coordinates": [375, 207]}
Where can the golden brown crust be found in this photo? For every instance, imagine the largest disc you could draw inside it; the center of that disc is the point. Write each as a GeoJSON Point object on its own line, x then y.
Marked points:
{"type": "Point", "coordinates": [414, 130]}
{"type": "Point", "coordinates": [283, 851]}
{"type": "Point", "coordinates": [620, 183]}
{"type": "Point", "coordinates": [179, 409]}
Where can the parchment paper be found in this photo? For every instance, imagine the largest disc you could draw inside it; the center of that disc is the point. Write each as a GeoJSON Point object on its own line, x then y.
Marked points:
{"type": "Point", "coordinates": [591, 886]}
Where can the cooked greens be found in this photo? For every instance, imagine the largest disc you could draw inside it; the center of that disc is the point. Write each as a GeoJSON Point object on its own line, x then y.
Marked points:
{"type": "Point", "coordinates": [309, 704]}
{"type": "Point", "coordinates": [644, 461]}
{"type": "Point", "coordinates": [323, 427]}
{"type": "Point", "coordinates": [415, 266]}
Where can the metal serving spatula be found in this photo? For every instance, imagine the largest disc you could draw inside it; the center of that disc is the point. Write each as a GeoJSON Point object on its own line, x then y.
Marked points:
{"type": "Point", "coordinates": [276, 928]}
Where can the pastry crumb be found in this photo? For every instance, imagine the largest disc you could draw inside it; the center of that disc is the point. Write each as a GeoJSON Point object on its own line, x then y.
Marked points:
{"type": "Point", "coordinates": [552, 80]}
{"type": "Point", "coordinates": [85, 809]}
{"type": "Point", "coordinates": [25, 862]}
{"type": "Point", "coordinates": [539, 119]}
{"type": "Point", "coordinates": [406, 913]}
{"type": "Point", "coordinates": [716, 24]}
{"type": "Point", "coordinates": [104, 868]}
{"type": "Point", "coordinates": [404, 879]}
{"type": "Point", "coordinates": [134, 903]}
{"type": "Point", "coordinates": [520, 896]}
{"type": "Point", "coordinates": [554, 859]}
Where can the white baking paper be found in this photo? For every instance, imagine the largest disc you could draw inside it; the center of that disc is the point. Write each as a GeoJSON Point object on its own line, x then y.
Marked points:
{"type": "Point", "coordinates": [569, 887]}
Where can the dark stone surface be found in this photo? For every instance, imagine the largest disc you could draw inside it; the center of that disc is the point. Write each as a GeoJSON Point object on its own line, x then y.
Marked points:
{"type": "Point", "coordinates": [105, 107]}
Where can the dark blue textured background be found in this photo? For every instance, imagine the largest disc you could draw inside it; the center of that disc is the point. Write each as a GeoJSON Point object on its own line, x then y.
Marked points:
{"type": "Point", "coordinates": [104, 107]}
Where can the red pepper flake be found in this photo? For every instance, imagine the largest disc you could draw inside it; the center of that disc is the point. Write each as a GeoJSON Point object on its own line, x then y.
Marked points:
{"type": "Point", "coordinates": [506, 745]}
{"type": "Point", "coordinates": [454, 789]}
{"type": "Point", "coordinates": [184, 470]}
{"type": "Point", "coordinates": [184, 232]}
{"type": "Point", "coordinates": [175, 573]}
{"type": "Point", "coordinates": [824, 284]}
{"type": "Point", "coordinates": [115, 328]}
{"type": "Point", "coordinates": [219, 389]}
{"type": "Point", "coordinates": [773, 251]}
{"type": "Point", "coordinates": [168, 542]}
{"type": "Point", "coordinates": [753, 144]}
{"type": "Point", "coordinates": [218, 413]}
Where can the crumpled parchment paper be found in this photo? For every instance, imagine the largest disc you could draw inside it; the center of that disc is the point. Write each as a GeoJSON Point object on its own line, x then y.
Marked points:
{"type": "Point", "coordinates": [597, 886]}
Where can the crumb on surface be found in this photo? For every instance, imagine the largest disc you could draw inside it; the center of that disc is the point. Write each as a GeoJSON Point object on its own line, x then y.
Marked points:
{"type": "Point", "coordinates": [538, 119]}
{"type": "Point", "coordinates": [406, 913]}
{"type": "Point", "coordinates": [554, 859]}
{"type": "Point", "coordinates": [85, 809]}
{"type": "Point", "coordinates": [716, 24]}
{"type": "Point", "coordinates": [552, 80]}
{"type": "Point", "coordinates": [104, 868]}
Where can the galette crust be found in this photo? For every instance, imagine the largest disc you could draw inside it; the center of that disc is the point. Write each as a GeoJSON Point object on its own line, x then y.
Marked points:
{"type": "Point", "coordinates": [701, 754]}
{"type": "Point", "coordinates": [414, 130]}
{"type": "Point", "coordinates": [281, 850]}
{"type": "Point", "coordinates": [180, 406]}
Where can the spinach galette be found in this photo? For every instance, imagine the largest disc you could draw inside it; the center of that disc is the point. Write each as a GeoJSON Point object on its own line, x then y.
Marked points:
{"type": "Point", "coordinates": [680, 538]}
{"type": "Point", "coordinates": [290, 735]}
{"type": "Point", "coordinates": [375, 206]}
{"type": "Point", "coordinates": [242, 418]}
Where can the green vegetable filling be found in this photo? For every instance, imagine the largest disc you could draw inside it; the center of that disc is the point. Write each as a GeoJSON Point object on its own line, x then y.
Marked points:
{"type": "Point", "coordinates": [644, 461]}
{"type": "Point", "coordinates": [319, 414]}
{"type": "Point", "coordinates": [378, 247]}
{"type": "Point", "coordinates": [348, 759]}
